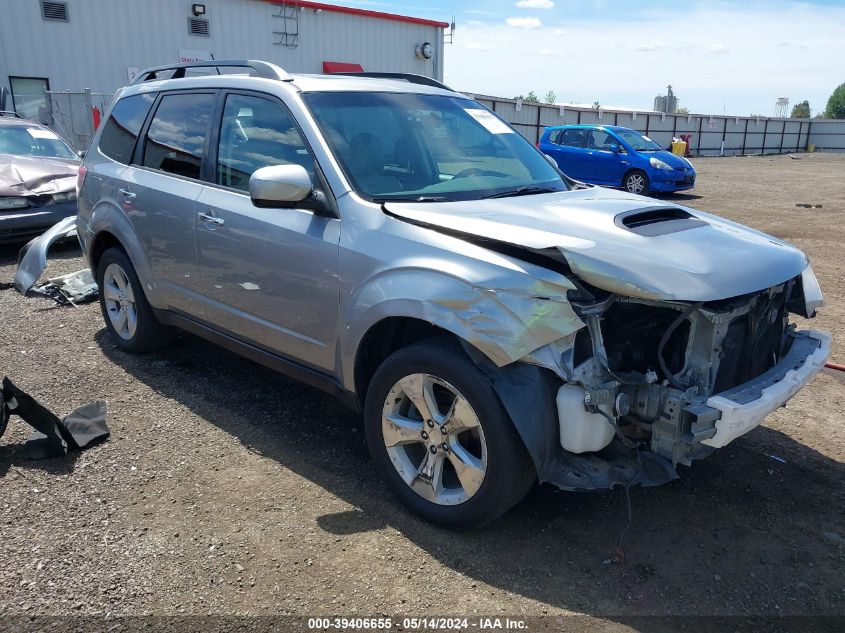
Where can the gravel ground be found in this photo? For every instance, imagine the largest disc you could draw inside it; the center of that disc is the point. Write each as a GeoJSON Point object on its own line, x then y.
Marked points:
{"type": "Point", "coordinates": [228, 489]}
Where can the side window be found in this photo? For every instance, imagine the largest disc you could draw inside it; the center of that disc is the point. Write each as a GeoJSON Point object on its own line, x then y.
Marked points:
{"type": "Point", "coordinates": [256, 133]}
{"type": "Point", "coordinates": [121, 130]}
{"type": "Point", "coordinates": [602, 140]}
{"type": "Point", "coordinates": [177, 133]}
{"type": "Point", "coordinates": [573, 138]}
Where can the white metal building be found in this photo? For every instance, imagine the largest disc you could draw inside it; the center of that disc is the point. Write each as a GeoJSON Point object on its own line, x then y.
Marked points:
{"type": "Point", "coordinates": [58, 45]}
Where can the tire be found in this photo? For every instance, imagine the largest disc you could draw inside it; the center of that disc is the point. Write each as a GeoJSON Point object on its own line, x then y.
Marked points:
{"type": "Point", "coordinates": [479, 437]}
{"type": "Point", "coordinates": [636, 181]}
{"type": "Point", "coordinates": [121, 292]}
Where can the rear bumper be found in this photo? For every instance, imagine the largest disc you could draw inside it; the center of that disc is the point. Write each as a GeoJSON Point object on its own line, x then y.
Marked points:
{"type": "Point", "coordinates": [744, 407]}
{"type": "Point", "coordinates": [21, 225]}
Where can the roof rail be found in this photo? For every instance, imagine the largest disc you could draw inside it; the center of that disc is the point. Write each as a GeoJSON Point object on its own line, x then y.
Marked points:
{"type": "Point", "coordinates": [409, 77]}
{"type": "Point", "coordinates": [10, 113]}
{"type": "Point", "coordinates": [265, 70]}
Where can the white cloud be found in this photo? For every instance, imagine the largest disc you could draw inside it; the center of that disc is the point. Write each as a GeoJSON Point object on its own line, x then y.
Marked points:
{"type": "Point", "coordinates": [524, 23]}
{"type": "Point", "coordinates": [708, 66]}
{"type": "Point", "coordinates": [535, 4]}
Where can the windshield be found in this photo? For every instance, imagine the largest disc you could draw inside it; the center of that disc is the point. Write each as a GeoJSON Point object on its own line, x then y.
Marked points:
{"type": "Point", "coordinates": [399, 146]}
{"type": "Point", "coordinates": [33, 141]}
{"type": "Point", "coordinates": [637, 141]}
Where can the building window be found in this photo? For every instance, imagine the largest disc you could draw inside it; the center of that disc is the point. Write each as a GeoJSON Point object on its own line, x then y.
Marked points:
{"type": "Point", "coordinates": [198, 26]}
{"type": "Point", "coordinates": [56, 11]}
{"type": "Point", "coordinates": [29, 97]}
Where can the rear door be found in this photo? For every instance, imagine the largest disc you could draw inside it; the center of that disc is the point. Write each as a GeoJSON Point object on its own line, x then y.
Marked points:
{"type": "Point", "coordinates": [571, 152]}
{"type": "Point", "coordinates": [160, 192]}
{"type": "Point", "coordinates": [270, 274]}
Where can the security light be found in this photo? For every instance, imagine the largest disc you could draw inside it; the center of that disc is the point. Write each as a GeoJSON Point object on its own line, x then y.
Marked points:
{"type": "Point", "coordinates": [198, 9]}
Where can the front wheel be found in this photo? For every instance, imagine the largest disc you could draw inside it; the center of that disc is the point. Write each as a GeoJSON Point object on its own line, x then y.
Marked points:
{"type": "Point", "coordinates": [441, 438]}
{"type": "Point", "coordinates": [636, 182]}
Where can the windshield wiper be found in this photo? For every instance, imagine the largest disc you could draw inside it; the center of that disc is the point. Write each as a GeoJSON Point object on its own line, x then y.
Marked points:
{"type": "Point", "coordinates": [520, 191]}
{"type": "Point", "coordinates": [417, 199]}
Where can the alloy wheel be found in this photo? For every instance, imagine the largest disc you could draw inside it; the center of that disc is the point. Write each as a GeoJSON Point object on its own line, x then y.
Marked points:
{"type": "Point", "coordinates": [434, 439]}
{"type": "Point", "coordinates": [635, 183]}
{"type": "Point", "coordinates": [120, 301]}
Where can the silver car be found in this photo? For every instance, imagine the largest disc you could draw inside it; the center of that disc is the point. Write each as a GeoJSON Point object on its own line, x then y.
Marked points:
{"type": "Point", "coordinates": [38, 172]}
{"type": "Point", "coordinates": [399, 245]}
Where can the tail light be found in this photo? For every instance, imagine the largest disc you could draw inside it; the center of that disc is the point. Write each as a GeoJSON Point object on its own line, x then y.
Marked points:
{"type": "Point", "coordinates": [538, 144]}
{"type": "Point", "coordinates": [80, 178]}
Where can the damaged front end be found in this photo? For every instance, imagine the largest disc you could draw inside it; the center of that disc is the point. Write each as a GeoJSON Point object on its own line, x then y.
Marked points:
{"type": "Point", "coordinates": [652, 384]}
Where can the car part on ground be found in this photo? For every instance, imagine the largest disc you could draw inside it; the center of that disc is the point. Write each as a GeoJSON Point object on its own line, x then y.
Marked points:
{"type": "Point", "coordinates": [53, 437]}
{"type": "Point", "coordinates": [32, 260]}
{"type": "Point", "coordinates": [71, 289]}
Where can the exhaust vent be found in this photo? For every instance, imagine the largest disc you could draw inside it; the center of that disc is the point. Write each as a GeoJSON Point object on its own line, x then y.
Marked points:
{"type": "Point", "coordinates": [54, 11]}
{"type": "Point", "coordinates": [198, 26]}
{"type": "Point", "coordinates": [654, 221]}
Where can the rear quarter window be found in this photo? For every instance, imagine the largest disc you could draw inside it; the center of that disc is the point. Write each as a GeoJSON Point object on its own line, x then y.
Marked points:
{"type": "Point", "coordinates": [123, 126]}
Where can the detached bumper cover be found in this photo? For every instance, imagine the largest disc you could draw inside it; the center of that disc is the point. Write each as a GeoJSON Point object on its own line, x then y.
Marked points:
{"type": "Point", "coordinates": [744, 407]}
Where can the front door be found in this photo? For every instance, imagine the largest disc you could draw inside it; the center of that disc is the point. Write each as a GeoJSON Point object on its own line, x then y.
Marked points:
{"type": "Point", "coordinates": [270, 275]}
{"type": "Point", "coordinates": [606, 164]}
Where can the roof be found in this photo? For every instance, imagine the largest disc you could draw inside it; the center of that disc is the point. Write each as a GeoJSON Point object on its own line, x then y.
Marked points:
{"type": "Point", "coordinates": [362, 12]}
{"type": "Point", "coordinates": [10, 121]}
{"type": "Point", "coordinates": [301, 83]}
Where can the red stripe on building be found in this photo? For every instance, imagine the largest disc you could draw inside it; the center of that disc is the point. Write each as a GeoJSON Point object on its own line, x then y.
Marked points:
{"type": "Point", "coordinates": [363, 12]}
{"type": "Point", "coordinates": [341, 67]}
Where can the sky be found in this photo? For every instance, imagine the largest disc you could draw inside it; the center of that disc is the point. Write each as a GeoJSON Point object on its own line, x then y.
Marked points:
{"type": "Point", "coordinates": [719, 56]}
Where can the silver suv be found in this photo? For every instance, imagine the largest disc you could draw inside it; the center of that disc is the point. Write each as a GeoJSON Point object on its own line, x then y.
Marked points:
{"type": "Point", "coordinates": [399, 245]}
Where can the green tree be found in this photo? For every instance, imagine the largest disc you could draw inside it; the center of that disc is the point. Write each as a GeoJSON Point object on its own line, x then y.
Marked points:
{"type": "Point", "coordinates": [532, 98]}
{"type": "Point", "coordinates": [801, 110]}
{"type": "Point", "coordinates": [682, 111]}
{"type": "Point", "coordinates": [550, 97]}
{"type": "Point", "coordinates": [836, 104]}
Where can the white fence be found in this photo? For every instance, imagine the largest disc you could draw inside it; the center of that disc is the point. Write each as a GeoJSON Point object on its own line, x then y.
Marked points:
{"type": "Point", "coordinates": [710, 135]}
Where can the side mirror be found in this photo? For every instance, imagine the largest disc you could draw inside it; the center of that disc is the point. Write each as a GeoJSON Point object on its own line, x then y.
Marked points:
{"type": "Point", "coordinates": [617, 149]}
{"type": "Point", "coordinates": [279, 185]}
{"type": "Point", "coordinates": [81, 154]}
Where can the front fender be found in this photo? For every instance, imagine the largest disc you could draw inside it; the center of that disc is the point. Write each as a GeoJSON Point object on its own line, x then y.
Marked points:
{"type": "Point", "coordinates": [505, 320]}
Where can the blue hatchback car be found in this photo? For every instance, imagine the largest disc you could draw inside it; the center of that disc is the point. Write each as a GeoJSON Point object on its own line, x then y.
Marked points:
{"type": "Point", "coordinates": [617, 157]}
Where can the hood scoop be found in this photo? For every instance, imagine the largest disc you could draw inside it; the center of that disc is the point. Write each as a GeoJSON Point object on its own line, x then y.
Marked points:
{"type": "Point", "coordinates": [654, 221]}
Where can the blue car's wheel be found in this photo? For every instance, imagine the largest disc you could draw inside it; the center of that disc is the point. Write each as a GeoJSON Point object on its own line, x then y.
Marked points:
{"type": "Point", "coordinates": [636, 182]}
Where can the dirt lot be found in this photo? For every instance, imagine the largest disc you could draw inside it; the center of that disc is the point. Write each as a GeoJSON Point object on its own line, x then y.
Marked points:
{"type": "Point", "coordinates": [226, 488]}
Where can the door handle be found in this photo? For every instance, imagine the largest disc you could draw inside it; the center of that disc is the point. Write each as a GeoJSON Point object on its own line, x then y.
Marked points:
{"type": "Point", "coordinates": [211, 219]}
{"type": "Point", "coordinates": [127, 195]}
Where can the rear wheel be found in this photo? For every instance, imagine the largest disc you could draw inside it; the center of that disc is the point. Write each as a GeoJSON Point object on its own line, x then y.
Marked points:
{"type": "Point", "coordinates": [440, 437]}
{"type": "Point", "coordinates": [128, 316]}
{"type": "Point", "coordinates": [636, 182]}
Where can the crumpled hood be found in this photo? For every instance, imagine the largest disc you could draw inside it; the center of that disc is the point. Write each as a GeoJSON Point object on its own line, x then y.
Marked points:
{"type": "Point", "coordinates": [36, 175]}
{"type": "Point", "coordinates": [708, 259]}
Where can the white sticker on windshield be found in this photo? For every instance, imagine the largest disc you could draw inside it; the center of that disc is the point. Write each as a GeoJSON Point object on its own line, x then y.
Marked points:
{"type": "Point", "coordinates": [37, 132]}
{"type": "Point", "coordinates": [490, 122]}
{"type": "Point", "coordinates": [646, 138]}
